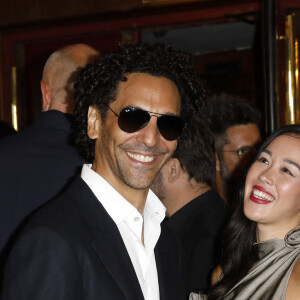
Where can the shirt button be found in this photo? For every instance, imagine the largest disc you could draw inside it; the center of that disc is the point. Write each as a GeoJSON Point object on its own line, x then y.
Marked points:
{"type": "Point", "coordinates": [136, 219]}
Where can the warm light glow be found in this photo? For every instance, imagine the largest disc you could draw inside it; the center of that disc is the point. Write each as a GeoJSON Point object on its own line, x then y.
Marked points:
{"type": "Point", "coordinates": [291, 94]}
{"type": "Point", "coordinates": [297, 76]}
{"type": "Point", "coordinates": [296, 60]}
{"type": "Point", "coordinates": [14, 111]}
{"type": "Point", "coordinates": [290, 73]}
{"type": "Point", "coordinates": [14, 116]}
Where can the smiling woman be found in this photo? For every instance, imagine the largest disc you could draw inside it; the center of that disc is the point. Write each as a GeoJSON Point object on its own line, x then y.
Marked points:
{"type": "Point", "coordinates": [272, 189]}
{"type": "Point", "coordinates": [261, 255]}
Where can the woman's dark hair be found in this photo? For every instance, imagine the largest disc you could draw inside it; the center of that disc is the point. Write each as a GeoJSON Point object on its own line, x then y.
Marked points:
{"type": "Point", "coordinates": [97, 84]}
{"type": "Point", "coordinates": [237, 253]}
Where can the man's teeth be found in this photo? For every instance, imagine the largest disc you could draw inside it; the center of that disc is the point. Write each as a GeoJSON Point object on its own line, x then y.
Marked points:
{"type": "Point", "coordinates": [141, 158]}
{"type": "Point", "coordinates": [261, 195]}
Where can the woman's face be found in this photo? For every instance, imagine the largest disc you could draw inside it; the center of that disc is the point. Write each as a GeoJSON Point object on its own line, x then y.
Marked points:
{"type": "Point", "coordinates": [272, 190]}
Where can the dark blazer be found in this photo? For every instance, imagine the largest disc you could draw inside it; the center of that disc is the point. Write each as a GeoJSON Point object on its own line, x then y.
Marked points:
{"type": "Point", "coordinates": [35, 166]}
{"type": "Point", "coordinates": [72, 249]}
{"type": "Point", "coordinates": [198, 225]}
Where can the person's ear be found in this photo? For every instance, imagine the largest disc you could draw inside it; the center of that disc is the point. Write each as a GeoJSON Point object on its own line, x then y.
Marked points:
{"type": "Point", "coordinates": [46, 94]}
{"type": "Point", "coordinates": [174, 170]}
{"type": "Point", "coordinates": [93, 124]}
{"type": "Point", "coordinates": [218, 164]}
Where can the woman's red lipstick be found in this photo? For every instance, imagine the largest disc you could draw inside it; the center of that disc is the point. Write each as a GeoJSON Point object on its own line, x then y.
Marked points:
{"type": "Point", "coordinates": [258, 200]}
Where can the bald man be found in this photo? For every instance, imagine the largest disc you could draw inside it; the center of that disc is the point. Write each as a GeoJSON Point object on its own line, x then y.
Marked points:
{"type": "Point", "coordinates": [60, 71]}
{"type": "Point", "coordinates": [37, 163]}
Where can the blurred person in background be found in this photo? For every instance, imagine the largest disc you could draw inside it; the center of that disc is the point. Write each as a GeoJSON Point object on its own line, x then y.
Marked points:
{"type": "Point", "coordinates": [235, 125]}
{"type": "Point", "coordinates": [38, 163]}
{"type": "Point", "coordinates": [195, 211]}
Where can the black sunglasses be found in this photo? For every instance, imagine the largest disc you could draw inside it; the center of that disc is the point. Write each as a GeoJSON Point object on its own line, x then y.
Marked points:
{"type": "Point", "coordinates": [132, 119]}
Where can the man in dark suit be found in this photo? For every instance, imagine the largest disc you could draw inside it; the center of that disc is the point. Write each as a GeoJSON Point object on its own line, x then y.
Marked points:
{"type": "Point", "coordinates": [102, 238]}
{"type": "Point", "coordinates": [37, 163]}
{"type": "Point", "coordinates": [195, 211]}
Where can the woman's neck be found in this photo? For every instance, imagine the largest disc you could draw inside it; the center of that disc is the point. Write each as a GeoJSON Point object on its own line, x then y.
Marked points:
{"type": "Point", "coordinates": [265, 232]}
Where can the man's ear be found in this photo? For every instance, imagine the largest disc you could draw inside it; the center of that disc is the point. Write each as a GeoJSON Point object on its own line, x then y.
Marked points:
{"type": "Point", "coordinates": [174, 169]}
{"type": "Point", "coordinates": [46, 94]}
{"type": "Point", "coordinates": [218, 164]}
{"type": "Point", "coordinates": [93, 124]}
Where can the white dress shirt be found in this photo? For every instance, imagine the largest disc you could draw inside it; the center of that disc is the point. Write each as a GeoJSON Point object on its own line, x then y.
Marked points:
{"type": "Point", "coordinates": [130, 224]}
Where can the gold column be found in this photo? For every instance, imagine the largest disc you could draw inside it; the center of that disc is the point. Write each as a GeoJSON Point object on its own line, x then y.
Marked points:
{"type": "Point", "coordinates": [292, 72]}
{"type": "Point", "coordinates": [14, 99]}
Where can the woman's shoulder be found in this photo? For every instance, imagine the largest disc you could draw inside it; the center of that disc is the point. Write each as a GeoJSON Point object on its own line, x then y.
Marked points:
{"type": "Point", "coordinates": [293, 289]}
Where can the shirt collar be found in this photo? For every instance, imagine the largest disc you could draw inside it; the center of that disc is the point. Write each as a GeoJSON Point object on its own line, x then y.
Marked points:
{"type": "Point", "coordinates": [154, 206]}
{"type": "Point", "coordinates": [114, 203]}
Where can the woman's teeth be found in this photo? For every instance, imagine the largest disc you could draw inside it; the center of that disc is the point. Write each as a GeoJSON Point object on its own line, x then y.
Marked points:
{"type": "Point", "coordinates": [261, 195]}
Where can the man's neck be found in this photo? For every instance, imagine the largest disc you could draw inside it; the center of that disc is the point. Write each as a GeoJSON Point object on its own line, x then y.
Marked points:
{"type": "Point", "coordinates": [136, 197]}
{"type": "Point", "coordinates": [187, 194]}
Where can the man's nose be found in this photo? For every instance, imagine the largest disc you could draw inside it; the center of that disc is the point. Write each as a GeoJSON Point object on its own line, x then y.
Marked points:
{"type": "Point", "coordinates": [150, 135]}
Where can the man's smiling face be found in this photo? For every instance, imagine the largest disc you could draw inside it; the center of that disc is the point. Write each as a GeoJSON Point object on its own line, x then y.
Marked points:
{"type": "Point", "coordinates": [134, 159]}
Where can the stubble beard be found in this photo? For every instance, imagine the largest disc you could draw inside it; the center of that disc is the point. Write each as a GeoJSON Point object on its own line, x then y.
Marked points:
{"type": "Point", "coordinates": [136, 177]}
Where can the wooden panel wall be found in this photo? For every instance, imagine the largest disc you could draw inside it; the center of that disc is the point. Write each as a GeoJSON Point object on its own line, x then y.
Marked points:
{"type": "Point", "coordinates": [18, 40]}
{"type": "Point", "coordinates": [14, 12]}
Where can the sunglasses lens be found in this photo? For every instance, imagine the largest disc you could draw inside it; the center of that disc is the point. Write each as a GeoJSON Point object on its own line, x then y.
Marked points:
{"type": "Point", "coordinates": [170, 127]}
{"type": "Point", "coordinates": [133, 119]}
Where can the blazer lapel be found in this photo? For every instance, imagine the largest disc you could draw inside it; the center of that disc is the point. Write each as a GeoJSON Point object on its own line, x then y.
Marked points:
{"type": "Point", "coordinates": [167, 263]}
{"type": "Point", "coordinates": [107, 242]}
{"type": "Point", "coordinates": [113, 254]}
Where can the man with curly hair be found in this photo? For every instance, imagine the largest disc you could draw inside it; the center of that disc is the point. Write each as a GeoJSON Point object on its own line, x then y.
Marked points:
{"type": "Point", "coordinates": [102, 238]}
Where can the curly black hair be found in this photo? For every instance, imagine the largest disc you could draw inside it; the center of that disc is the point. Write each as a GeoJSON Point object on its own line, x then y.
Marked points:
{"type": "Point", "coordinates": [97, 84]}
